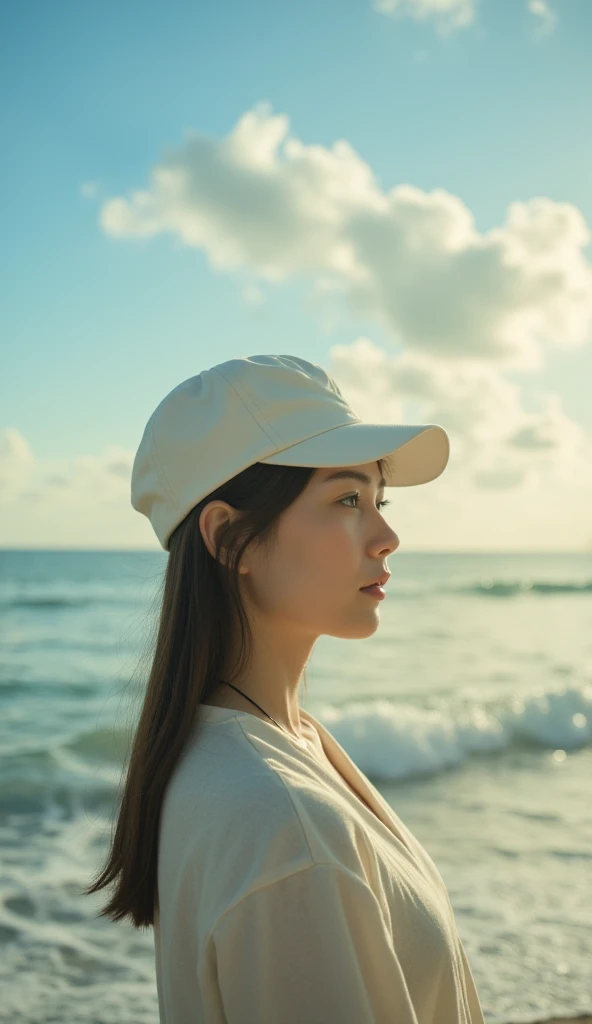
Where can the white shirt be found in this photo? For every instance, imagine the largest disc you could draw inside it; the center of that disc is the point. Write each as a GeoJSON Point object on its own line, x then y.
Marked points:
{"type": "Point", "coordinates": [284, 900]}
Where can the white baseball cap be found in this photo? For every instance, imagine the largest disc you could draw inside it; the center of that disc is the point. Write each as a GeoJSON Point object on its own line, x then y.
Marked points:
{"type": "Point", "coordinates": [280, 410]}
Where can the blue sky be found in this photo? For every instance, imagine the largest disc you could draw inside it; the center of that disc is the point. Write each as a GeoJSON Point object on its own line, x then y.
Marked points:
{"type": "Point", "coordinates": [455, 131]}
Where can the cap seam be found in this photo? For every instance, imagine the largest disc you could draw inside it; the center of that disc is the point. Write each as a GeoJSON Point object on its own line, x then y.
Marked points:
{"type": "Point", "coordinates": [247, 401]}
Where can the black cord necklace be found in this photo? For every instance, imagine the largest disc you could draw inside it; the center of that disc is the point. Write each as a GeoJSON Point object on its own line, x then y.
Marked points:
{"type": "Point", "coordinates": [257, 706]}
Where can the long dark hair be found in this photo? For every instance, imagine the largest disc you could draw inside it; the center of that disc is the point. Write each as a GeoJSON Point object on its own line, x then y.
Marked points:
{"type": "Point", "coordinates": [199, 601]}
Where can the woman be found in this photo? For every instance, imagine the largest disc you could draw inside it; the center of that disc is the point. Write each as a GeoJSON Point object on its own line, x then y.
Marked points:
{"type": "Point", "coordinates": [281, 886]}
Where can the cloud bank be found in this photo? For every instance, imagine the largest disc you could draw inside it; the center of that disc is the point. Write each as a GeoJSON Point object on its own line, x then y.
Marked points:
{"type": "Point", "coordinates": [461, 307]}
{"type": "Point", "coordinates": [412, 260]}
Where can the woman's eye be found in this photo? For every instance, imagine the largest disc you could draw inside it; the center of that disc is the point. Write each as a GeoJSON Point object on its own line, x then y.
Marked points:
{"type": "Point", "coordinates": [356, 497]}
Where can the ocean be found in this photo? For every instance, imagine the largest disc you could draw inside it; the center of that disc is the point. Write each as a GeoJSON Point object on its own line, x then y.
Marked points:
{"type": "Point", "coordinates": [470, 709]}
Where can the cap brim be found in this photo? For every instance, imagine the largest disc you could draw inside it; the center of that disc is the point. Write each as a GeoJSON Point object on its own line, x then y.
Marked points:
{"type": "Point", "coordinates": [413, 454]}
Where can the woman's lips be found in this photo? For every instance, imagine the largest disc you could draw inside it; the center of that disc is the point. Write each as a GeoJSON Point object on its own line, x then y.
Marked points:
{"type": "Point", "coordinates": [374, 591]}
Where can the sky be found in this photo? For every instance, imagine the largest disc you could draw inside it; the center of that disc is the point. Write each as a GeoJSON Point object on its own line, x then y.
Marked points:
{"type": "Point", "coordinates": [396, 190]}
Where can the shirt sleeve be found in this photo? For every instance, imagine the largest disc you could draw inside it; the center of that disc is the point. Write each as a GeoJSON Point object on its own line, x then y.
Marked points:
{"type": "Point", "coordinates": [311, 947]}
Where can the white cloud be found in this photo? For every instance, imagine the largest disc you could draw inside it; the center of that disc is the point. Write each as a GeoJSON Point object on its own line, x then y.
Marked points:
{"type": "Point", "coordinates": [112, 464]}
{"type": "Point", "coordinates": [411, 259]}
{"type": "Point", "coordinates": [16, 459]}
{"type": "Point", "coordinates": [542, 9]}
{"type": "Point", "coordinates": [253, 296]}
{"type": "Point", "coordinates": [481, 410]}
{"type": "Point", "coordinates": [89, 189]}
{"type": "Point", "coordinates": [447, 15]}
{"type": "Point", "coordinates": [81, 501]}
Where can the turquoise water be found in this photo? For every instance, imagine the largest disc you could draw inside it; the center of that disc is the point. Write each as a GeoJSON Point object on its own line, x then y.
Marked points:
{"type": "Point", "coordinates": [470, 708]}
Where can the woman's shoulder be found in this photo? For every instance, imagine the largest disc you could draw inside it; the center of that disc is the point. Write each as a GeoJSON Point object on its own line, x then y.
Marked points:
{"type": "Point", "coordinates": [263, 795]}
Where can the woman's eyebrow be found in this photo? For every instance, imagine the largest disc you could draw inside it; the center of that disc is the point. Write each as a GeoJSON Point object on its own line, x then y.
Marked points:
{"type": "Point", "coordinates": [353, 474]}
